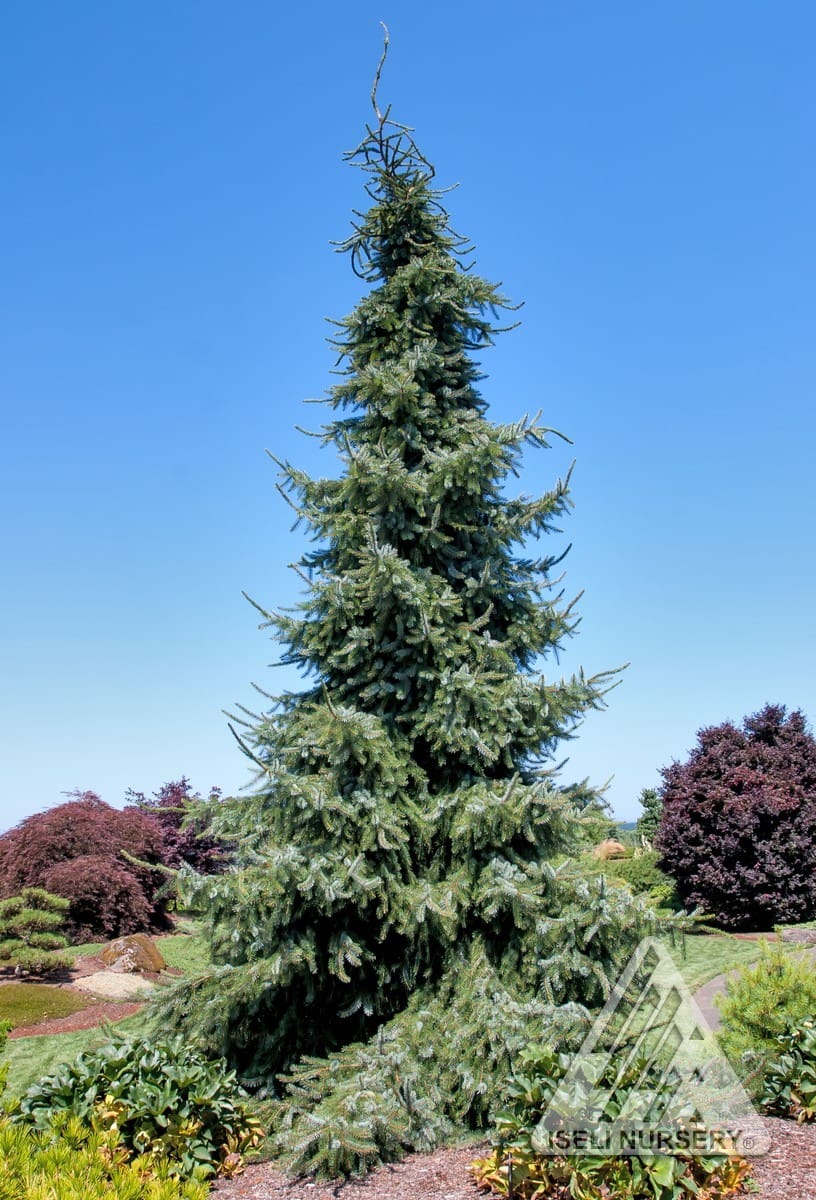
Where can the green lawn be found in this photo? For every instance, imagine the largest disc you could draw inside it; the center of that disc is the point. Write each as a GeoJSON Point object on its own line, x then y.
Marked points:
{"type": "Point", "coordinates": [27, 1003]}
{"type": "Point", "coordinates": [186, 952]}
{"type": "Point", "coordinates": [186, 949]}
{"type": "Point", "coordinates": [703, 955]}
{"type": "Point", "coordinates": [30, 1058]}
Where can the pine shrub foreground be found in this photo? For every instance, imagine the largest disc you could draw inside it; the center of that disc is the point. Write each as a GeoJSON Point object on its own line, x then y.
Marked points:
{"type": "Point", "coordinates": [763, 1002]}
{"type": "Point", "coordinates": [71, 1162]}
{"type": "Point", "coordinates": [403, 914]}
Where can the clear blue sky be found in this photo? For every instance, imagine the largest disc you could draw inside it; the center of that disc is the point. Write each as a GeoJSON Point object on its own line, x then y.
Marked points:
{"type": "Point", "coordinates": [642, 175]}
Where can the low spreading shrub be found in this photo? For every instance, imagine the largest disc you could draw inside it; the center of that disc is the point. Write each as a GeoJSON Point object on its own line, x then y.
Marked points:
{"type": "Point", "coordinates": [515, 1168]}
{"type": "Point", "coordinates": [764, 1001]}
{"type": "Point", "coordinates": [789, 1084]}
{"type": "Point", "coordinates": [168, 1103]}
{"type": "Point", "coordinates": [72, 1162]}
{"type": "Point", "coordinates": [28, 930]}
{"type": "Point", "coordinates": [76, 851]}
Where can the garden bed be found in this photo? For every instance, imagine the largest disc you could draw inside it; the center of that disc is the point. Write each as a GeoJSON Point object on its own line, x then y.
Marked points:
{"type": "Point", "coordinates": [788, 1172]}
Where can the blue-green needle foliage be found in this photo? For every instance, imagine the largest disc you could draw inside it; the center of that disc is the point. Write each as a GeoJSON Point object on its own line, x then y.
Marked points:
{"type": "Point", "coordinates": [402, 842]}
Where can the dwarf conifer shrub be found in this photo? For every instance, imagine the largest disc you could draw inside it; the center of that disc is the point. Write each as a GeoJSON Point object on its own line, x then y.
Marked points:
{"type": "Point", "coordinates": [763, 1002]}
{"type": "Point", "coordinates": [70, 1161]}
{"type": "Point", "coordinates": [738, 827]}
{"type": "Point", "coordinates": [29, 925]}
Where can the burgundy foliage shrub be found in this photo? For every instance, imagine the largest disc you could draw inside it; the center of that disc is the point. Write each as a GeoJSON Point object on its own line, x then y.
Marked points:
{"type": "Point", "coordinates": [738, 828]}
{"type": "Point", "coordinates": [185, 840]}
{"type": "Point", "coordinates": [74, 850]}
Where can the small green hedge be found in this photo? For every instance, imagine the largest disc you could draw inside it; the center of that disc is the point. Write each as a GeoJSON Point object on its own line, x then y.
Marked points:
{"type": "Point", "coordinates": [645, 878]}
{"type": "Point", "coordinates": [764, 1002]}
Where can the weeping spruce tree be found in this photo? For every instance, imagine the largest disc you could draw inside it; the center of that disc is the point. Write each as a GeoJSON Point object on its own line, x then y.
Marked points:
{"type": "Point", "coordinates": [403, 915]}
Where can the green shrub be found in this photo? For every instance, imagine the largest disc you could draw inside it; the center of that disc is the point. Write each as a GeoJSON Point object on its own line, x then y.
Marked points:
{"type": "Point", "coordinates": [515, 1168]}
{"type": "Point", "coordinates": [764, 1002]}
{"type": "Point", "coordinates": [28, 930]}
{"type": "Point", "coordinates": [168, 1103]}
{"type": "Point", "coordinates": [789, 1087]}
{"type": "Point", "coordinates": [72, 1162]}
{"type": "Point", "coordinates": [645, 878]}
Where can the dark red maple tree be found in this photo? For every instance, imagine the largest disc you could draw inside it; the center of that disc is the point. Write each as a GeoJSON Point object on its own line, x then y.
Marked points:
{"type": "Point", "coordinates": [738, 828]}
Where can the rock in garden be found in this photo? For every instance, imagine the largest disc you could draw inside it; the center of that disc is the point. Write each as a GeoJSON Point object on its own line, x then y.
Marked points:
{"type": "Point", "coordinates": [799, 937]}
{"type": "Point", "coordinates": [136, 952]}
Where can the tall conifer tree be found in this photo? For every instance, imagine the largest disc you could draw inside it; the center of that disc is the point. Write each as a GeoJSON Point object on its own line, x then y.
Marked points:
{"type": "Point", "coordinates": [402, 911]}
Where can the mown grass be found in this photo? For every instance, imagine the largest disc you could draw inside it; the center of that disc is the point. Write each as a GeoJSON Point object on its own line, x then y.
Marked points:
{"type": "Point", "coordinates": [702, 956]}
{"type": "Point", "coordinates": [187, 952]}
{"type": "Point", "coordinates": [28, 1003]}
{"type": "Point", "coordinates": [30, 1058]}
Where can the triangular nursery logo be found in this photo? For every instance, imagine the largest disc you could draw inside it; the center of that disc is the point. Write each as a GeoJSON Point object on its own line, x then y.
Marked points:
{"type": "Point", "coordinates": [650, 1077]}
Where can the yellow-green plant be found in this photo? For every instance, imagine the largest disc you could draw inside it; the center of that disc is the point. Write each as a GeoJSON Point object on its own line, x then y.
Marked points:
{"type": "Point", "coordinates": [72, 1162]}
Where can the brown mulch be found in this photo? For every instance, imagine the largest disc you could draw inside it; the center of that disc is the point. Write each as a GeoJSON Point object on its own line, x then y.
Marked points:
{"type": "Point", "coordinates": [787, 1172]}
{"type": "Point", "coordinates": [442, 1175]}
{"type": "Point", "coordinates": [86, 1018]}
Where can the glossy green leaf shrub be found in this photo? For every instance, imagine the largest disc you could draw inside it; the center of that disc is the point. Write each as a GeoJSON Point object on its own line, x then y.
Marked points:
{"type": "Point", "coordinates": [789, 1087]}
{"type": "Point", "coordinates": [168, 1103]}
{"type": "Point", "coordinates": [514, 1167]}
{"type": "Point", "coordinates": [69, 1161]}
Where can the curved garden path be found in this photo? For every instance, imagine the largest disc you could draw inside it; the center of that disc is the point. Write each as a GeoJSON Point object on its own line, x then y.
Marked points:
{"type": "Point", "coordinates": [707, 994]}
